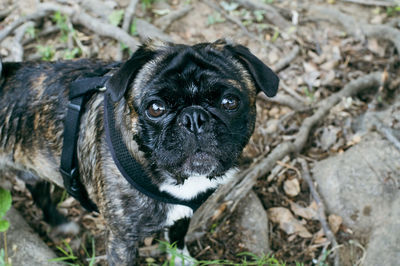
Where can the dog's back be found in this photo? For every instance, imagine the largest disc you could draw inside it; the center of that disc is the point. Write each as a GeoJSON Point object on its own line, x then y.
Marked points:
{"type": "Point", "coordinates": [33, 100]}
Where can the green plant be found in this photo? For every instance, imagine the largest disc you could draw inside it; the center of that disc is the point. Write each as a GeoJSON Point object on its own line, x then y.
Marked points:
{"type": "Point", "coordinates": [147, 3]}
{"type": "Point", "coordinates": [215, 18]}
{"type": "Point", "coordinates": [93, 256]}
{"type": "Point", "coordinates": [68, 254]}
{"type": "Point", "coordinates": [31, 31]}
{"type": "Point", "coordinates": [309, 93]}
{"type": "Point", "coordinates": [247, 258]}
{"type": "Point", "coordinates": [5, 205]}
{"type": "Point", "coordinates": [62, 23]}
{"type": "Point", "coordinates": [71, 53]}
{"type": "Point", "coordinates": [172, 250]}
{"type": "Point", "coordinates": [46, 52]}
{"type": "Point", "coordinates": [392, 11]}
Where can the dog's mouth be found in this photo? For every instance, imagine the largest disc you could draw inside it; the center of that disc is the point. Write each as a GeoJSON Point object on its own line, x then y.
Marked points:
{"type": "Point", "coordinates": [199, 163]}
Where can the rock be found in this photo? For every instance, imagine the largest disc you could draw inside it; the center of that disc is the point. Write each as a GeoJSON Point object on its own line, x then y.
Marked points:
{"type": "Point", "coordinates": [384, 243]}
{"type": "Point", "coordinates": [360, 184]}
{"type": "Point", "coordinates": [252, 219]}
{"type": "Point", "coordinates": [291, 187]}
{"type": "Point", "coordinates": [23, 245]}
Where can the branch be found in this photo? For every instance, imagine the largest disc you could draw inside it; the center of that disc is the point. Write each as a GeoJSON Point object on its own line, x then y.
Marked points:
{"type": "Point", "coordinates": [320, 210]}
{"type": "Point", "coordinates": [18, 49]}
{"type": "Point", "coordinates": [284, 62]}
{"type": "Point", "coordinates": [283, 99]}
{"type": "Point", "coordinates": [93, 24]}
{"type": "Point", "coordinates": [165, 21]}
{"type": "Point", "coordinates": [129, 13]}
{"type": "Point", "coordinates": [77, 17]}
{"type": "Point", "coordinates": [231, 193]}
{"type": "Point", "coordinates": [16, 23]}
{"type": "Point", "coordinates": [359, 29]}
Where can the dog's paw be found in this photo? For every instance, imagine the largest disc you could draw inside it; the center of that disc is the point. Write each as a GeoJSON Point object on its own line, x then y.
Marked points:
{"type": "Point", "coordinates": [69, 228]}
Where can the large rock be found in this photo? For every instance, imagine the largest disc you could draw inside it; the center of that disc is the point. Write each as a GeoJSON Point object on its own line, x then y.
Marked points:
{"type": "Point", "coordinates": [23, 245]}
{"type": "Point", "coordinates": [362, 185]}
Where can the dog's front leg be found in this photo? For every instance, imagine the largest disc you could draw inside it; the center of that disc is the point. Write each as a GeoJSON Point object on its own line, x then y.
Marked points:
{"type": "Point", "coordinates": [121, 251]}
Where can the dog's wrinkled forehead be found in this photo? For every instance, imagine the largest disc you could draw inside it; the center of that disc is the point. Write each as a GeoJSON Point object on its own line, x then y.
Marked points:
{"type": "Point", "coordinates": [192, 67]}
{"type": "Point", "coordinates": [193, 71]}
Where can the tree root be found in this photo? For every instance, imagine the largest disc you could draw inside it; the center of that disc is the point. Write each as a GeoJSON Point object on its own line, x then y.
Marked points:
{"type": "Point", "coordinates": [77, 17]}
{"type": "Point", "coordinates": [165, 21]}
{"type": "Point", "coordinates": [321, 210]}
{"type": "Point", "coordinates": [358, 29]}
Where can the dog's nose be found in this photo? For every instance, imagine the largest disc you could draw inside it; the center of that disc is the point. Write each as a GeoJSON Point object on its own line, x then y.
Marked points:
{"type": "Point", "coordinates": [194, 119]}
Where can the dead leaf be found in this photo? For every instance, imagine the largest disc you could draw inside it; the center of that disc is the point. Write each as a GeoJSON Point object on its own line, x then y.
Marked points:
{"type": "Point", "coordinates": [291, 187]}
{"type": "Point", "coordinates": [309, 213]}
{"type": "Point", "coordinates": [287, 222]}
{"type": "Point", "coordinates": [334, 222]}
{"type": "Point", "coordinates": [329, 136]}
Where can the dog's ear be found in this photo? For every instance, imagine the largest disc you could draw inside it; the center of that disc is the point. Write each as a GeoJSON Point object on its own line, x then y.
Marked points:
{"type": "Point", "coordinates": [119, 82]}
{"type": "Point", "coordinates": [265, 79]}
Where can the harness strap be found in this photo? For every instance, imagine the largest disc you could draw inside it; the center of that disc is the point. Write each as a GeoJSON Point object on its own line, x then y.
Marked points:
{"type": "Point", "coordinates": [80, 92]}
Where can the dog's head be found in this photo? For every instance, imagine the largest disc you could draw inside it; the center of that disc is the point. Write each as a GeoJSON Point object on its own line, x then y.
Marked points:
{"type": "Point", "coordinates": [192, 107]}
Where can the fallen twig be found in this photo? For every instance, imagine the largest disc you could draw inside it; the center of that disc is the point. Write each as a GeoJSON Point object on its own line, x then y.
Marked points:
{"type": "Point", "coordinates": [232, 192]}
{"type": "Point", "coordinates": [359, 29]}
{"type": "Point", "coordinates": [128, 16]}
{"type": "Point", "coordinates": [292, 92]}
{"type": "Point", "coordinates": [16, 23]}
{"type": "Point", "coordinates": [320, 210]}
{"type": "Point", "coordinates": [165, 21]}
{"type": "Point", "coordinates": [284, 62]}
{"type": "Point", "coordinates": [4, 13]}
{"type": "Point", "coordinates": [286, 100]}
{"type": "Point", "coordinates": [18, 49]}
{"type": "Point", "coordinates": [386, 132]}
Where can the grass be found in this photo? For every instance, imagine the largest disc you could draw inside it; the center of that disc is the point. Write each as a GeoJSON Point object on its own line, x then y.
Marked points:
{"type": "Point", "coordinates": [70, 258]}
{"type": "Point", "coordinates": [246, 258]}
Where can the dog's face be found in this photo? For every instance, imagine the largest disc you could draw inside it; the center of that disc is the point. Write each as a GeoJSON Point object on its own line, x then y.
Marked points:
{"type": "Point", "coordinates": [195, 105]}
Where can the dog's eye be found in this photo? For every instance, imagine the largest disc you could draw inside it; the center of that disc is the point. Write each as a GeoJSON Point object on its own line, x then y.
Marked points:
{"type": "Point", "coordinates": [230, 103]}
{"type": "Point", "coordinates": [156, 109]}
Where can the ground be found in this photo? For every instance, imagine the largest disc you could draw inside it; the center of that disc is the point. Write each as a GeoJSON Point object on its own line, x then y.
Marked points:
{"type": "Point", "coordinates": [315, 51]}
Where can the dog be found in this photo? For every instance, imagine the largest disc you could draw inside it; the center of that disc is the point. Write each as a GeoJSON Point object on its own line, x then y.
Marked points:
{"type": "Point", "coordinates": [180, 114]}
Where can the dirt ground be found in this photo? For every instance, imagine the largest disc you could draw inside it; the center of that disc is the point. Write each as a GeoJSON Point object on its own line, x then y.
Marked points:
{"type": "Point", "coordinates": [314, 51]}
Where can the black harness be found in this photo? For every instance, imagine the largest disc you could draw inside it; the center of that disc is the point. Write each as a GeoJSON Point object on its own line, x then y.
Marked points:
{"type": "Point", "coordinates": [80, 93]}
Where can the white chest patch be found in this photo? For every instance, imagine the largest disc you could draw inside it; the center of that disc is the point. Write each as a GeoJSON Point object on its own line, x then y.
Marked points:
{"type": "Point", "coordinates": [188, 190]}
{"type": "Point", "coordinates": [194, 185]}
{"type": "Point", "coordinates": [176, 212]}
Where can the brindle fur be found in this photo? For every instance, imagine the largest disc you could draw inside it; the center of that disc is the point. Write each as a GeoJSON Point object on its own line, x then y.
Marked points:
{"type": "Point", "coordinates": [33, 105]}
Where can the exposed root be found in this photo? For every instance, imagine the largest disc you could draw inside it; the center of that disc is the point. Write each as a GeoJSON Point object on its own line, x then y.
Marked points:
{"type": "Point", "coordinates": [358, 29]}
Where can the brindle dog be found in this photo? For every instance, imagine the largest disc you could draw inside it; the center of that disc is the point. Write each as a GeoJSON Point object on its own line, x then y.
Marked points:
{"type": "Point", "coordinates": [185, 114]}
